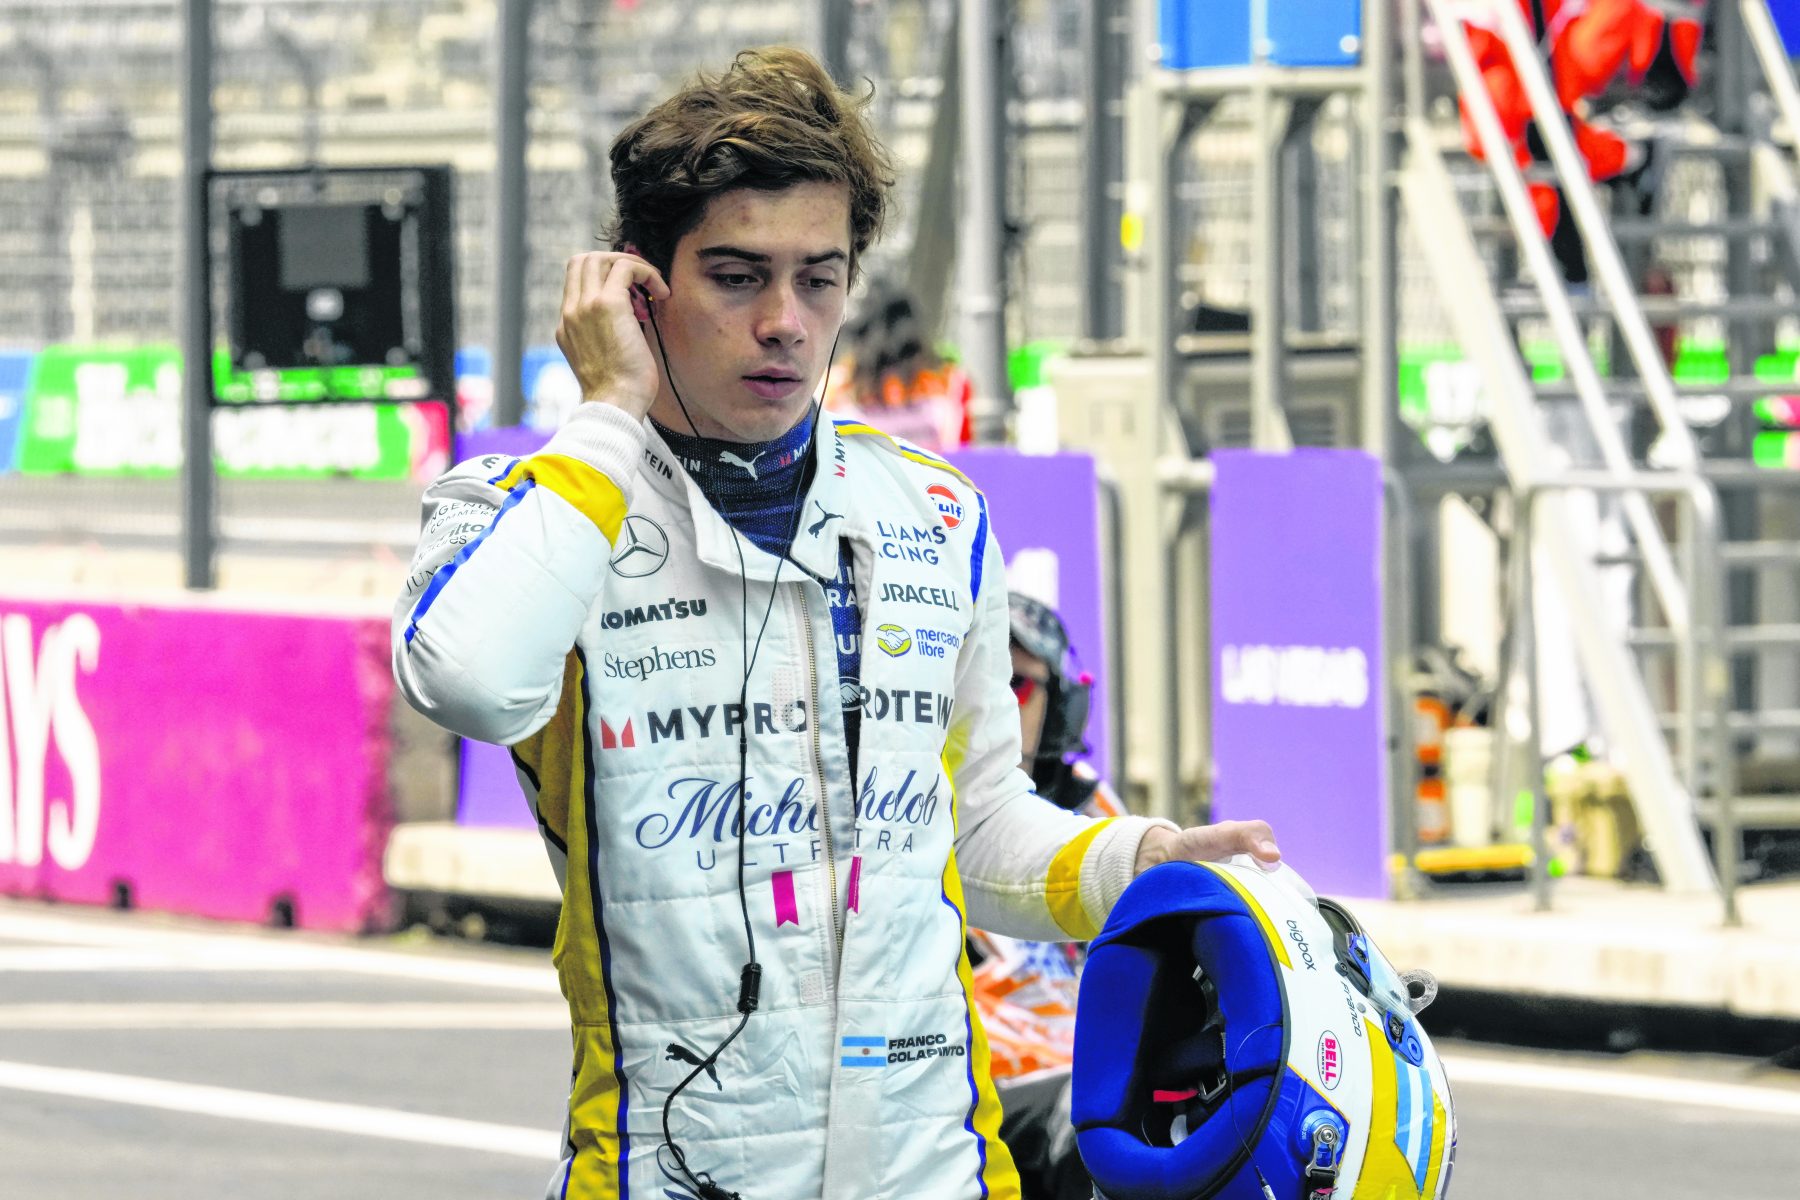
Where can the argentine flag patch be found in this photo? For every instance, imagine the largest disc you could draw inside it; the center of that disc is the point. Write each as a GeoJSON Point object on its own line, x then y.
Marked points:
{"type": "Point", "coordinates": [864, 1052]}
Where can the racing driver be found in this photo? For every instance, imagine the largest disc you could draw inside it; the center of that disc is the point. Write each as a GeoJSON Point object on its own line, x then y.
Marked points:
{"type": "Point", "coordinates": [753, 668]}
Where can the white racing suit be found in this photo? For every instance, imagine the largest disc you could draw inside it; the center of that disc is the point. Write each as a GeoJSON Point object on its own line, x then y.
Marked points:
{"type": "Point", "coordinates": [585, 606]}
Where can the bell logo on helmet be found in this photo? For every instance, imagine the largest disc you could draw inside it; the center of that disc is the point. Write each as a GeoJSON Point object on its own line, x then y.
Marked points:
{"type": "Point", "coordinates": [1331, 1060]}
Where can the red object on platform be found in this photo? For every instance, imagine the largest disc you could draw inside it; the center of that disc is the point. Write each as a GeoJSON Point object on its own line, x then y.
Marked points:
{"type": "Point", "coordinates": [1589, 43]}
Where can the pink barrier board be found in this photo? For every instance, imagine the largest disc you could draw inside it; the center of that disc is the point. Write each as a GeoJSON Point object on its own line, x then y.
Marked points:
{"type": "Point", "coordinates": [221, 764]}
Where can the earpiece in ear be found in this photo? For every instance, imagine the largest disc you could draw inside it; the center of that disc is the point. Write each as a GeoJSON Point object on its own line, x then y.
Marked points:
{"type": "Point", "coordinates": [640, 302]}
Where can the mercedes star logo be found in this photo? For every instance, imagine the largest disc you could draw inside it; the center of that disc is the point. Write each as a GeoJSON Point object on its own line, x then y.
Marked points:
{"type": "Point", "coordinates": [642, 548]}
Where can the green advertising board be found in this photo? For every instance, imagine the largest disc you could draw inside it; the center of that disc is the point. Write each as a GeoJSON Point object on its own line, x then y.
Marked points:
{"type": "Point", "coordinates": [98, 411]}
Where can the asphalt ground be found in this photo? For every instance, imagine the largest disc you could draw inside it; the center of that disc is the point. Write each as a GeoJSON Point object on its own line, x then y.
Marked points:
{"type": "Point", "coordinates": [159, 1059]}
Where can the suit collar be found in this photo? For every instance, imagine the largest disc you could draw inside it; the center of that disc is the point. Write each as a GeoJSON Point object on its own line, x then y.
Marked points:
{"type": "Point", "coordinates": [824, 510]}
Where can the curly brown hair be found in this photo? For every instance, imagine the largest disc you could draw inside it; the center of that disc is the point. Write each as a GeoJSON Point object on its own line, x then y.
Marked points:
{"type": "Point", "coordinates": [773, 119]}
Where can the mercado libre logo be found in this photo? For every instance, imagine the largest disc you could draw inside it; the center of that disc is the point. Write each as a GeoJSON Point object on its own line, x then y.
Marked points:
{"type": "Point", "coordinates": [1331, 1060]}
{"type": "Point", "coordinates": [893, 640]}
{"type": "Point", "coordinates": [949, 505]}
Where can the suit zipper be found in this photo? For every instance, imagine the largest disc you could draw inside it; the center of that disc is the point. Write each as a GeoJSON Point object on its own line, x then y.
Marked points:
{"type": "Point", "coordinates": [836, 944]}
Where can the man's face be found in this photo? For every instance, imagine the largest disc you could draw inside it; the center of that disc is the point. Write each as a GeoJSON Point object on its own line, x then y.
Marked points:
{"type": "Point", "coordinates": [1031, 684]}
{"type": "Point", "coordinates": [756, 296]}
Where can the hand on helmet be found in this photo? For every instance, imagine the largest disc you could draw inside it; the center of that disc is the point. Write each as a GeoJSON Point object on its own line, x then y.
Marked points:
{"type": "Point", "coordinates": [1208, 843]}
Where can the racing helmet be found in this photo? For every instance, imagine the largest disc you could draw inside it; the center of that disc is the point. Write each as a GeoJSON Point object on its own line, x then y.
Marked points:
{"type": "Point", "coordinates": [1237, 1037]}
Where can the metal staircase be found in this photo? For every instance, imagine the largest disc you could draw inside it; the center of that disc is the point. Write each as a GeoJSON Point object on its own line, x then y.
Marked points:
{"type": "Point", "coordinates": [1700, 688]}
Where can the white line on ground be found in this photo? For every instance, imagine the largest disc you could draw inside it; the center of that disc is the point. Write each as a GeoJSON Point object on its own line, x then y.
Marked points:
{"type": "Point", "coordinates": [18, 924]}
{"type": "Point", "coordinates": [231, 950]}
{"type": "Point", "coordinates": [1775, 1103]}
{"type": "Point", "coordinates": [263, 1108]}
{"type": "Point", "coordinates": [298, 1015]}
{"type": "Point", "coordinates": [77, 959]}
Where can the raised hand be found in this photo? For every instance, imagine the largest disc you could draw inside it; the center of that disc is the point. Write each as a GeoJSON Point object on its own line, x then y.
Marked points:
{"type": "Point", "coordinates": [601, 331]}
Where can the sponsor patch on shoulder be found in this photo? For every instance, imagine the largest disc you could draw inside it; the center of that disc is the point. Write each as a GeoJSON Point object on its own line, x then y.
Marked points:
{"type": "Point", "coordinates": [949, 504]}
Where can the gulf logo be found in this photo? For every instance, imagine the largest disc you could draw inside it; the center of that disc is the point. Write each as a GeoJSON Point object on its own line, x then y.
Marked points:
{"type": "Point", "coordinates": [1331, 1060]}
{"type": "Point", "coordinates": [949, 506]}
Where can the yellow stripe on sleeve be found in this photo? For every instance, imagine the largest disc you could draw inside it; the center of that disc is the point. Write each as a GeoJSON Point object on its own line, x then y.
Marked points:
{"type": "Point", "coordinates": [594, 495]}
{"type": "Point", "coordinates": [1062, 886]}
{"type": "Point", "coordinates": [515, 475]}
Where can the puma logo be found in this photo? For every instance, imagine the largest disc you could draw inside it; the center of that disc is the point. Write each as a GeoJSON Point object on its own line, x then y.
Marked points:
{"type": "Point", "coordinates": [818, 526]}
{"type": "Point", "coordinates": [676, 1052]}
{"type": "Point", "coordinates": [727, 456]}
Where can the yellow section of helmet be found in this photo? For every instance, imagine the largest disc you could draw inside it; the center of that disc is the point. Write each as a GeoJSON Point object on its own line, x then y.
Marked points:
{"type": "Point", "coordinates": [1277, 944]}
{"type": "Point", "coordinates": [1385, 1172]}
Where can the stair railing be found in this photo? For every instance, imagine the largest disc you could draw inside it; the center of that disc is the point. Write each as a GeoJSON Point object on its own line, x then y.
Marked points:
{"type": "Point", "coordinates": [1570, 340]}
{"type": "Point", "coordinates": [1665, 797]}
{"type": "Point", "coordinates": [1662, 796]}
{"type": "Point", "coordinates": [1603, 252]}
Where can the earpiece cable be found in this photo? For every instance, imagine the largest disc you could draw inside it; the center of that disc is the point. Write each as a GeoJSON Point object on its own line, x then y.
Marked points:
{"type": "Point", "coordinates": [750, 980]}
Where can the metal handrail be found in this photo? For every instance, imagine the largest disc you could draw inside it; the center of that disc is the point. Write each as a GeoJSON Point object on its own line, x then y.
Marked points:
{"type": "Point", "coordinates": [1703, 677]}
{"type": "Point", "coordinates": [1772, 57]}
{"type": "Point", "coordinates": [1615, 679]}
{"type": "Point", "coordinates": [1596, 231]}
{"type": "Point", "coordinates": [1570, 339]}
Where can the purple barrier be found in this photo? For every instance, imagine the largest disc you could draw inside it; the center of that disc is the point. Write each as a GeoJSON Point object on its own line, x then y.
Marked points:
{"type": "Point", "coordinates": [515, 441]}
{"type": "Point", "coordinates": [1046, 511]}
{"type": "Point", "coordinates": [1299, 690]}
{"type": "Point", "coordinates": [487, 788]}
{"type": "Point", "coordinates": [222, 764]}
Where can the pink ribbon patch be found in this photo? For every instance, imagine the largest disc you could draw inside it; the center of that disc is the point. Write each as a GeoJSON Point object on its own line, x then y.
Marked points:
{"type": "Point", "coordinates": [855, 900]}
{"type": "Point", "coordinates": [786, 909]}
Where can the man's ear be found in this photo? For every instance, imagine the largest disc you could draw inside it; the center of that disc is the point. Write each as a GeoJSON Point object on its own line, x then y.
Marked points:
{"type": "Point", "coordinates": [663, 269]}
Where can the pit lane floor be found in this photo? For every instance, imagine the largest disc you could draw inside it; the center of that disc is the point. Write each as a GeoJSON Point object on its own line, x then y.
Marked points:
{"type": "Point", "coordinates": [160, 1059]}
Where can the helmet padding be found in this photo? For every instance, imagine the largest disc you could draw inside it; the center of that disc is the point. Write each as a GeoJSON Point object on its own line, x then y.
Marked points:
{"type": "Point", "coordinates": [1165, 1032]}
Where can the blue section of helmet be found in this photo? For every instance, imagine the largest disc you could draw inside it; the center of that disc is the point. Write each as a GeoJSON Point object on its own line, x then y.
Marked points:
{"type": "Point", "coordinates": [1323, 1136]}
{"type": "Point", "coordinates": [1403, 1036]}
{"type": "Point", "coordinates": [1141, 1029]}
{"type": "Point", "coordinates": [1356, 949]}
{"type": "Point", "coordinates": [1210, 1165]}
